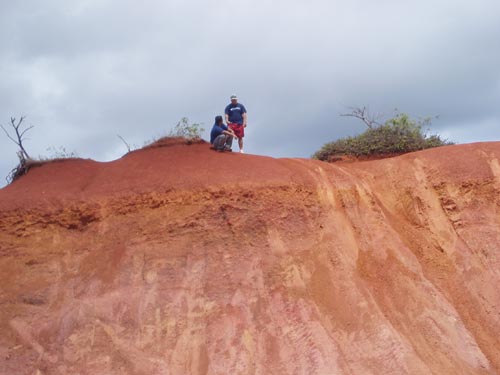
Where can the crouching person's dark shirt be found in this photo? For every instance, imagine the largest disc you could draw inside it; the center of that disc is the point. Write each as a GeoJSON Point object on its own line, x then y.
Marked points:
{"type": "Point", "coordinates": [216, 131]}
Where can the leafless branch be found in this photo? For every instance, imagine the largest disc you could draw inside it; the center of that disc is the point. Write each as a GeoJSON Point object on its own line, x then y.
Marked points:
{"type": "Point", "coordinates": [25, 130]}
{"type": "Point", "coordinates": [8, 135]}
{"type": "Point", "coordinates": [364, 115]}
{"type": "Point", "coordinates": [18, 140]}
{"type": "Point", "coordinates": [124, 141]}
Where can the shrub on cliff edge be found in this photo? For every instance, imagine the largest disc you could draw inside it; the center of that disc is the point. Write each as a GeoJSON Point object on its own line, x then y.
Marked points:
{"type": "Point", "coordinates": [397, 135]}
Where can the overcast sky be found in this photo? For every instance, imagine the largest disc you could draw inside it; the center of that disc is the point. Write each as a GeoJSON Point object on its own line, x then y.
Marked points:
{"type": "Point", "coordinates": [83, 71]}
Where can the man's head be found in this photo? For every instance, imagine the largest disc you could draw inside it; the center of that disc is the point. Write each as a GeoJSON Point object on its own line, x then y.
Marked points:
{"type": "Point", "coordinates": [218, 120]}
{"type": "Point", "coordinates": [234, 99]}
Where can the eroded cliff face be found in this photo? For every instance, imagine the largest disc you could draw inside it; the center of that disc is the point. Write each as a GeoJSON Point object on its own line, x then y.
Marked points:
{"type": "Point", "coordinates": [181, 260]}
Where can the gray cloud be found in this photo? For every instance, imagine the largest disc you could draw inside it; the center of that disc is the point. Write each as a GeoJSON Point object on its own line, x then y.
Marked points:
{"type": "Point", "coordinates": [85, 71]}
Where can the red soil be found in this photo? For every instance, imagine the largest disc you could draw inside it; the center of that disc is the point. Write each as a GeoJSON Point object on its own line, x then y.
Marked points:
{"type": "Point", "coordinates": [182, 260]}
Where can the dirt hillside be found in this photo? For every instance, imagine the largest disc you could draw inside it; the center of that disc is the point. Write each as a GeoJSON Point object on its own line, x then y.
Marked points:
{"type": "Point", "coordinates": [182, 260]}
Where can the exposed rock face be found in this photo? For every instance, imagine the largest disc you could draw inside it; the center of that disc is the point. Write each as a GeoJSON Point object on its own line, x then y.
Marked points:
{"type": "Point", "coordinates": [181, 260]}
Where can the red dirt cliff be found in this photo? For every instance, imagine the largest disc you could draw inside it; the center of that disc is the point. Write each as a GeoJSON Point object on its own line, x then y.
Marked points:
{"type": "Point", "coordinates": [182, 260]}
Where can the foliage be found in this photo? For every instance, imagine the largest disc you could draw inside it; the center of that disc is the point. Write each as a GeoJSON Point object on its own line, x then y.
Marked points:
{"type": "Point", "coordinates": [186, 130]}
{"type": "Point", "coordinates": [190, 132]}
{"type": "Point", "coordinates": [397, 135]}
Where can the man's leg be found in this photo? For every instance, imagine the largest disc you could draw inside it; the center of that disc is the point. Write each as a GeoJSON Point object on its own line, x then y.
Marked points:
{"type": "Point", "coordinates": [240, 143]}
{"type": "Point", "coordinates": [239, 131]}
{"type": "Point", "coordinates": [229, 142]}
{"type": "Point", "coordinates": [219, 142]}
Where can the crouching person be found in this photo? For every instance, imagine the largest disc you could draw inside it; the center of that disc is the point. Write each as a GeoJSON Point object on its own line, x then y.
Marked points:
{"type": "Point", "coordinates": [221, 137]}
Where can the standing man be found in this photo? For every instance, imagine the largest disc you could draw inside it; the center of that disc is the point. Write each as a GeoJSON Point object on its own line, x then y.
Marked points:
{"type": "Point", "coordinates": [236, 119]}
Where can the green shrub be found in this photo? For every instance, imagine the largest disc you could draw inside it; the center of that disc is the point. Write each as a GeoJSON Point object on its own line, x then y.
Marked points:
{"type": "Point", "coordinates": [186, 130]}
{"type": "Point", "coordinates": [398, 135]}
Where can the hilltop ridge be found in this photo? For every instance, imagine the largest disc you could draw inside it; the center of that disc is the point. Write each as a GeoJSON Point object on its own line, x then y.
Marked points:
{"type": "Point", "coordinates": [182, 260]}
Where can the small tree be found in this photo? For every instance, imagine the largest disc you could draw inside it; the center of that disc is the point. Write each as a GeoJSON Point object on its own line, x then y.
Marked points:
{"type": "Point", "coordinates": [19, 132]}
{"type": "Point", "coordinates": [18, 138]}
{"type": "Point", "coordinates": [186, 130]}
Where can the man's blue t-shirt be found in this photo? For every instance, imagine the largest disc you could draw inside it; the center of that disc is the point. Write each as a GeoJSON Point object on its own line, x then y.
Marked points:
{"type": "Point", "coordinates": [216, 131]}
{"type": "Point", "coordinates": [235, 113]}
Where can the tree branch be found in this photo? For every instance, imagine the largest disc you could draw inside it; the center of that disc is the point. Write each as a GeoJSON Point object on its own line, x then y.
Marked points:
{"type": "Point", "coordinates": [123, 140]}
{"type": "Point", "coordinates": [8, 135]}
{"type": "Point", "coordinates": [19, 135]}
{"type": "Point", "coordinates": [25, 130]}
{"type": "Point", "coordinates": [364, 115]}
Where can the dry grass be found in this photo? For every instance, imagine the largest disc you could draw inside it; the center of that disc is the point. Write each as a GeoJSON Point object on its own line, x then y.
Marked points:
{"type": "Point", "coordinates": [24, 168]}
{"type": "Point", "coordinates": [169, 141]}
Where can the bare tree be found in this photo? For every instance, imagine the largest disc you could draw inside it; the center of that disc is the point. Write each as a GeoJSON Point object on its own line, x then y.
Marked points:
{"type": "Point", "coordinates": [22, 154]}
{"type": "Point", "coordinates": [20, 132]}
{"type": "Point", "coordinates": [364, 115]}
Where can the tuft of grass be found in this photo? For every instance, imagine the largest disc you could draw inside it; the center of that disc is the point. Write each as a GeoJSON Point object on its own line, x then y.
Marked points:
{"type": "Point", "coordinates": [25, 165]}
{"type": "Point", "coordinates": [169, 141]}
{"type": "Point", "coordinates": [184, 132]}
{"type": "Point", "coordinates": [58, 154]}
{"type": "Point", "coordinates": [396, 136]}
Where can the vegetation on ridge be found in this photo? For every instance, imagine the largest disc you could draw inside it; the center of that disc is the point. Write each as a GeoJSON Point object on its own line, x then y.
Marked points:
{"type": "Point", "coordinates": [184, 132]}
{"type": "Point", "coordinates": [187, 130]}
{"type": "Point", "coordinates": [398, 135]}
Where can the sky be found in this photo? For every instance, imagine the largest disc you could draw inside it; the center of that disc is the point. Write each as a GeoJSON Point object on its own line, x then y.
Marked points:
{"type": "Point", "coordinates": [85, 71]}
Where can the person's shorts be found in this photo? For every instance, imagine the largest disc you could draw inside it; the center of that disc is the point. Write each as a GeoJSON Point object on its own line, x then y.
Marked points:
{"type": "Point", "coordinates": [238, 129]}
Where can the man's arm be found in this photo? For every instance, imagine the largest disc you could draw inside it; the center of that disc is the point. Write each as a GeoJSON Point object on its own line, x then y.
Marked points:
{"type": "Point", "coordinates": [245, 119]}
{"type": "Point", "coordinates": [226, 114]}
{"type": "Point", "coordinates": [229, 132]}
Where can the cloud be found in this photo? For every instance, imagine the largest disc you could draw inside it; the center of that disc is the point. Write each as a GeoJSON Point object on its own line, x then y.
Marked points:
{"type": "Point", "coordinates": [85, 71]}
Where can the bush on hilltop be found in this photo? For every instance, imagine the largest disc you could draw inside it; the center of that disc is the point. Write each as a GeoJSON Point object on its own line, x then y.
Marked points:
{"type": "Point", "coordinates": [398, 135]}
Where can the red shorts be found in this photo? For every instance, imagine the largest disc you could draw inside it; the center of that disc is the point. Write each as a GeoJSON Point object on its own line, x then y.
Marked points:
{"type": "Point", "coordinates": [238, 129]}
